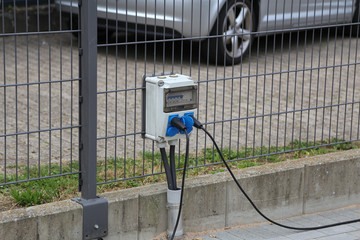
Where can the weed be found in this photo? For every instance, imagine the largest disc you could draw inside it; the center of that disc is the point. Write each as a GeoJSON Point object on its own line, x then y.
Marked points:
{"type": "Point", "coordinates": [59, 188]}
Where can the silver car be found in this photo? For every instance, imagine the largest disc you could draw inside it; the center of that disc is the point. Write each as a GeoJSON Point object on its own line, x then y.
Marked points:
{"type": "Point", "coordinates": [232, 23]}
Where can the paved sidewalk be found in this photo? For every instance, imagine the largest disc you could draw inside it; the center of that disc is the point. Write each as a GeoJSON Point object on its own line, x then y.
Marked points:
{"type": "Point", "coordinates": [267, 231]}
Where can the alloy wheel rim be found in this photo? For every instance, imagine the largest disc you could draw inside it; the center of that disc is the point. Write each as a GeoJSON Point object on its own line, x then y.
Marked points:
{"type": "Point", "coordinates": [237, 29]}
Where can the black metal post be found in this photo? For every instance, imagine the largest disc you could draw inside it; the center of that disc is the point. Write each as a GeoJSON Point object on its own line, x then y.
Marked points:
{"type": "Point", "coordinates": [95, 209]}
{"type": "Point", "coordinates": [88, 99]}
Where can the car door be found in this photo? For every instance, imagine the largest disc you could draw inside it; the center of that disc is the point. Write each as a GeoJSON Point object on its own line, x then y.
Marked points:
{"type": "Point", "coordinates": [324, 12]}
{"type": "Point", "coordinates": [280, 14]}
{"type": "Point", "coordinates": [341, 11]}
{"type": "Point", "coordinates": [287, 14]}
{"type": "Point", "coordinates": [313, 12]}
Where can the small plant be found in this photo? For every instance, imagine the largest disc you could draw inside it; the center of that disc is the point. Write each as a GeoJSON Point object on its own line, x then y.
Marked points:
{"type": "Point", "coordinates": [33, 193]}
{"type": "Point", "coordinates": [65, 187]}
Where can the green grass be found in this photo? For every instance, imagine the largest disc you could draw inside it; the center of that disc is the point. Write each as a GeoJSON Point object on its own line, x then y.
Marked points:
{"type": "Point", "coordinates": [65, 187]}
{"type": "Point", "coordinates": [44, 190]}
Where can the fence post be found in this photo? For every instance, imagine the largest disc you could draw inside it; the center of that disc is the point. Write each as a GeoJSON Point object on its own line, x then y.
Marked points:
{"type": "Point", "coordinates": [95, 209]}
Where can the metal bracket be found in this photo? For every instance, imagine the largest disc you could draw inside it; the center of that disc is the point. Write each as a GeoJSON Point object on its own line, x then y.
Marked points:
{"type": "Point", "coordinates": [95, 217]}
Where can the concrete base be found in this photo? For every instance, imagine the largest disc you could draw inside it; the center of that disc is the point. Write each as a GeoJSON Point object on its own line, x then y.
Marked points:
{"type": "Point", "coordinates": [281, 190]}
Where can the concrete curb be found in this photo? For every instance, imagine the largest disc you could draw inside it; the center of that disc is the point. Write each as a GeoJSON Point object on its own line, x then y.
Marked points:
{"type": "Point", "coordinates": [213, 201]}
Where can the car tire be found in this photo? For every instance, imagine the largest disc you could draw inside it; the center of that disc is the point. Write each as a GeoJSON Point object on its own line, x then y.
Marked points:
{"type": "Point", "coordinates": [354, 29]}
{"type": "Point", "coordinates": [236, 18]}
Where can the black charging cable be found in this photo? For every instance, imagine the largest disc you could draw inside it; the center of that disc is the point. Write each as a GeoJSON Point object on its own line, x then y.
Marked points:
{"type": "Point", "coordinates": [172, 166]}
{"type": "Point", "coordinates": [168, 172]}
{"type": "Point", "coordinates": [176, 122]}
{"type": "Point", "coordinates": [199, 125]}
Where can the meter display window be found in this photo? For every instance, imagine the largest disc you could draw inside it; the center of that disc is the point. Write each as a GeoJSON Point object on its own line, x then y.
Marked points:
{"type": "Point", "coordinates": [179, 99]}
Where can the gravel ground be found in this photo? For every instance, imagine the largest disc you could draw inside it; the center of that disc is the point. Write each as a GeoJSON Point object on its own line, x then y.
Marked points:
{"type": "Point", "coordinates": [292, 86]}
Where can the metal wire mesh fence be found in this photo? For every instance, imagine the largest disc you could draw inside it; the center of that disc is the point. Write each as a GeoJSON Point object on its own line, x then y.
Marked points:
{"type": "Point", "coordinates": [39, 93]}
{"type": "Point", "coordinates": [273, 76]}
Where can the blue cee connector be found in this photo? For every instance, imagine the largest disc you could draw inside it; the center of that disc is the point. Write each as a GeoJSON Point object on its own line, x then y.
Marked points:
{"type": "Point", "coordinates": [186, 119]}
{"type": "Point", "coordinates": [171, 130]}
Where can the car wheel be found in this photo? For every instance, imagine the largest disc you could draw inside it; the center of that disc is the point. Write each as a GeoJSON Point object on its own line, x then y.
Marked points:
{"type": "Point", "coordinates": [354, 29]}
{"type": "Point", "coordinates": [235, 23]}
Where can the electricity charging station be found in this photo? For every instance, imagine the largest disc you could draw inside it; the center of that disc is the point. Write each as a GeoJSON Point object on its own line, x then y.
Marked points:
{"type": "Point", "coordinates": [167, 97]}
{"type": "Point", "coordinates": [170, 104]}
{"type": "Point", "coordinates": [169, 100]}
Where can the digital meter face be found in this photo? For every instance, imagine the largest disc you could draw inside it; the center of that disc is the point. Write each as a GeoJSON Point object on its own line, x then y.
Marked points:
{"type": "Point", "coordinates": [179, 99]}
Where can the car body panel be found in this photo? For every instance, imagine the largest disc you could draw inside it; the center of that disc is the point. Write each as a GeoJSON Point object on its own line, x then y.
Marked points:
{"type": "Point", "coordinates": [192, 18]}
{"type": "Point", "coordinates": [285, 14]}
{"type": "Point", "coordinates": [196, 18]}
